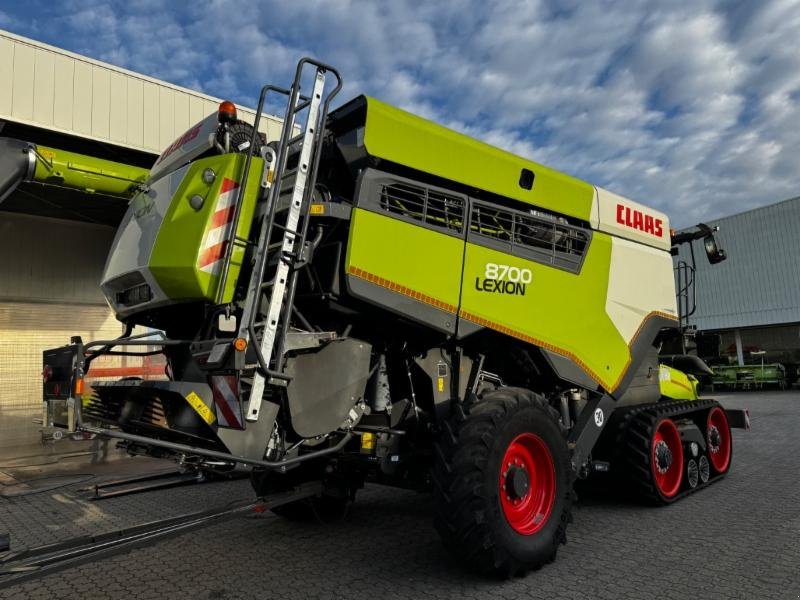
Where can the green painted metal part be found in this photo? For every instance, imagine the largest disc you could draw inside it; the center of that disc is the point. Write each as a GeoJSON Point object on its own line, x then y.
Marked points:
{"type": "Point", "coordinates": [403, 138]}
{"type": "Point", "coordinates": [87, 173]}
{"type": "Point", "coordinates": [560, 311]}
{"type": "Point", "coordinates": [417, 258]}
{"type": "Point", "coordinates": [174, 261]}
{"type": "Point", "coordinates": [423, 265]}
{"type": "Point", "coordinates": [676, 384]}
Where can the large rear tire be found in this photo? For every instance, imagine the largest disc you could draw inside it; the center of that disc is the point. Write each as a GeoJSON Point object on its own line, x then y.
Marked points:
{"type": "Point", "coordinates": [503, 484]}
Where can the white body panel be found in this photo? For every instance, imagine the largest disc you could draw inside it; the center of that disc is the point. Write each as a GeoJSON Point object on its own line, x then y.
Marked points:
{"type": "Point", "coordinates": [628, 219]}
{"type": "Point", "coordinates": [192, 143]}
{"type": "Point", "coordinates": [640, 281]}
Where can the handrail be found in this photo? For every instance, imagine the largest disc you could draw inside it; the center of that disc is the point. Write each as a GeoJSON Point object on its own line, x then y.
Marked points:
{"type": "Point", "coordinates": [288, 123]}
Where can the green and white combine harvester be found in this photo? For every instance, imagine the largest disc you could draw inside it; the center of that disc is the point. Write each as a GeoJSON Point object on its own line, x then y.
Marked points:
{"type": "Point", "coordinates": [375, 298]}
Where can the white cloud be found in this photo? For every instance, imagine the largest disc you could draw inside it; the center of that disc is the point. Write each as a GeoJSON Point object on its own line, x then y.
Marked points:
{"type": "Point", "coordinates": [691, 106]}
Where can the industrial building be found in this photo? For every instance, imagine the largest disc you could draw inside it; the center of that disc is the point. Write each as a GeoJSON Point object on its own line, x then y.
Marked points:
{"type": "Point", "coordinates": [750, 303]}
{"type": "Point", "coordinates": [54, 242]}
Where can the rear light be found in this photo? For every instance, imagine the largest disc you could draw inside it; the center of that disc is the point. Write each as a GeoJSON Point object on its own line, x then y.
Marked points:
{"type": "Point", "coordinates": [47, 373]}
{"type": "Point", "coordinates": [227, 112]}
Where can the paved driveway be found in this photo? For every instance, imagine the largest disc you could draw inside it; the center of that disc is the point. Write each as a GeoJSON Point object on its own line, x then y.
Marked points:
{"type": "Point", "coordinates": [740, 538]}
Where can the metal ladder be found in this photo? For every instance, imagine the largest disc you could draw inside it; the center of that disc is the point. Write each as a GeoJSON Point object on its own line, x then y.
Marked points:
{"type": "Point", "coordinates": [284, 227]}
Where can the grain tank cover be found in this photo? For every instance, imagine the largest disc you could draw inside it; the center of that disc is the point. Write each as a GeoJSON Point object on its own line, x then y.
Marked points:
{"type": "Point", "coordinates": [367, 129]}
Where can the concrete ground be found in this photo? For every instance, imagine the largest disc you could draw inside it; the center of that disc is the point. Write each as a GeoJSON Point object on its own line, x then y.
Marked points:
{"type": "Point", "coordinates": [740, 538]}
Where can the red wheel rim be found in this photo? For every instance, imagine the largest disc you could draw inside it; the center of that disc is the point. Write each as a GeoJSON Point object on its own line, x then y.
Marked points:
{"type": "Point", "coordinates": [527, 483]}
{"type": "Point", "coordinates": [667, 458]}
{"type": "Point", "coordinates": [718, 437]}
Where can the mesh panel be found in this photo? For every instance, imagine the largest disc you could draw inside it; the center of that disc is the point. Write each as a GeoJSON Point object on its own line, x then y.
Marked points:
{"type": "Point", "coordinates": [422, 204]}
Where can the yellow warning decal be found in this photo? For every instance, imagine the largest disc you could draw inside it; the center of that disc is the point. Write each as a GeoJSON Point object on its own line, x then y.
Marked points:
{"type": "Point", "coordinates": [317, 209]}
{"type": "Point", "coordinates": [200, 407]}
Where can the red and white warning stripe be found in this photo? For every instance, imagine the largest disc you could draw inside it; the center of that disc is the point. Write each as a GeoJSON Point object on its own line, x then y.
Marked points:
{"type": "Point", "coordinates": [212, 250]}
{"type": "Point", "coordinates": [229, 412]}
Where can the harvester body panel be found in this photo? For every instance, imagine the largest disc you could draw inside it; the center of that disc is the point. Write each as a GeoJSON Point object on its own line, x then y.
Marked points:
{"type": "Point", "coordinates": [401, 137]}
{"type": "Point", "coordinates": [175, 233]}
{"type": "Point", "coordinates": [567, 267]}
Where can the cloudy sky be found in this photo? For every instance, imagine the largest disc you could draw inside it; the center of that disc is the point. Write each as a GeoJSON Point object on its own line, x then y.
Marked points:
{"type": "Point", "coordinates": [688, 105]}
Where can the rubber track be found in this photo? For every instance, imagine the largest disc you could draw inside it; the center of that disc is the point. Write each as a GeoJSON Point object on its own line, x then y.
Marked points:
{"type": "Point", "coordinates": [634, 432]}
{"type": "Point", "coordinates": [460, 507]}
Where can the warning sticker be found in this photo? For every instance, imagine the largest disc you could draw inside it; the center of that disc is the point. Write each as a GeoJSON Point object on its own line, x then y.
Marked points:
{"type": "Point", "coordinates": [200, 407]}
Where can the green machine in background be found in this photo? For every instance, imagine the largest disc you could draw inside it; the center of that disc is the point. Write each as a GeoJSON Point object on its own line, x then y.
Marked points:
{"type": "Point", "coordinates": [744, 377]}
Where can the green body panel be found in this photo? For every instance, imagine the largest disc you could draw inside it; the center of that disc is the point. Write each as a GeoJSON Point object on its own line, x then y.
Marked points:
{"type": "Point", "coordinates": [676, 384]}
{"type": "Point", "coordinates": [174, 260]}
{"type": "Point", "coordinates": [403, 138]}
{"type": "Point", "coordinates": [424, 265]}
{"type": "Point", "coordinates": [87, 173]}
{"type": "Point", "coordinates": [560, 311]}
{"type": "Point", "coordinates": [416, 258]}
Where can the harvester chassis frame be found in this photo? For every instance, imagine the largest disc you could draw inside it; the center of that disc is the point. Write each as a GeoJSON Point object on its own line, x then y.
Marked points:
{"type": "Point", "coordinates": [81, 366]}
{"type": "Point", "coordinates": [582, 438]}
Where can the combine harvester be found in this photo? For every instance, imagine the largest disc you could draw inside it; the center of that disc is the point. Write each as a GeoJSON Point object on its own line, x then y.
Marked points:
{"type": "Point", "coordinates": [373, 297]}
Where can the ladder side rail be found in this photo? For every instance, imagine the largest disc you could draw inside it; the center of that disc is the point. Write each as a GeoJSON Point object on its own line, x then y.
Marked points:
{"type": "Point", "coordinates": [242, 188]}
{"type": "Point", "coordinates": [309, 194]}
{"type": "Point", "coordinates": [308, 161]}
{"type": "Point", "coordinates": [260, 258]}
{"type": "Point", "coordinates": [290, 233]}
{"type": "Point", "coordinates": [263, 349]}
{"type": "Point", "coordinates": [247, 325]}
{"type": "Point", "coordinates": [286, 130]}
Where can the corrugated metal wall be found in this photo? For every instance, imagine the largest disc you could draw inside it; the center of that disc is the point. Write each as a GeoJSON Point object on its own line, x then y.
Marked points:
{"type": "Point", "coordinates": [51, 88]}
{"type": "Point", "coordinates": [759, 283]}
{"type": "Point", "coordinates": [49, 276]}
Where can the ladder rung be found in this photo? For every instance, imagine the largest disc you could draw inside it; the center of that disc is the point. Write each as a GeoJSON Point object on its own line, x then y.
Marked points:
{"type": "Point", "coordinates": [304, 102]}
{"type": "Point", "coordinates": [296, 234]}
{"type": "Point", "coordinates": [295, 139]}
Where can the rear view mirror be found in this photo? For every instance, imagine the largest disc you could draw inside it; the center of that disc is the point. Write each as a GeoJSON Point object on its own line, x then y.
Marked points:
{"type": "Point", "coordinates": [714, 253]}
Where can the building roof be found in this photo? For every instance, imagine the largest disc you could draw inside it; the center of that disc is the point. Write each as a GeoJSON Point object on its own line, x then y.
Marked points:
{"type": "Point", "coordinates": [53, 89]}
{"type": "Point", "coordinates": [759, 283]}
